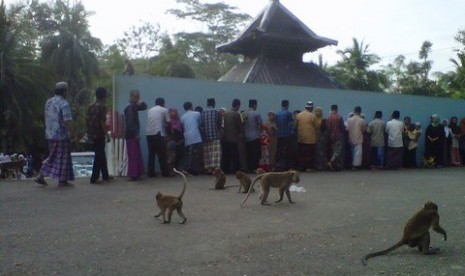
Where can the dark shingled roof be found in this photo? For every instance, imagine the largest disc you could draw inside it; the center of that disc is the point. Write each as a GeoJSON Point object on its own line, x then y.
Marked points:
{"type": "Point", "coordinates": [280, 72]}
{"type": "Point", "coordinates": [276, 31]}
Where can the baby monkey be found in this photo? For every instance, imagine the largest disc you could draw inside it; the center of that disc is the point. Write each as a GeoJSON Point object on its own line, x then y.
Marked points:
{"type": "Point", "coordinates": [416, 232]}
{"type": "Point", "coordinates": [168, 204]}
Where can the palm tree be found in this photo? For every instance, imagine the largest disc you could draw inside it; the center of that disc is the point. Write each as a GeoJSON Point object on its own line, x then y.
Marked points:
{"type": "Point", "coordinates": [69, 50]}
{"type": "Point", "coordinates": [354, 68]}
{"type": "Point", "coordinates": [23, 87]}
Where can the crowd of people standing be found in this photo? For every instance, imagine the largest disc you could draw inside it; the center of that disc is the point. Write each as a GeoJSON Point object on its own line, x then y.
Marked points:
{"type": "Point", "coordinates": [203, 139]}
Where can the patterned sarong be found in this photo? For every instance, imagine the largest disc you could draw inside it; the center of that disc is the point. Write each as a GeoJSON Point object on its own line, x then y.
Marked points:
{"type": "Point", "coordinates": [58, 164]}
{"type": "Point", "coordinates": [212, 154]}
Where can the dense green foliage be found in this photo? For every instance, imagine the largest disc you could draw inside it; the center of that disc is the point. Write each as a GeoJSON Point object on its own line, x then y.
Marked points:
{"type": "Point", "coordinates": [45, 42]}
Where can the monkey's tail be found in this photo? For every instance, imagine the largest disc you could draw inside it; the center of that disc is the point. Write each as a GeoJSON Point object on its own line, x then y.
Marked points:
{"type": "Point", "coordinates": [251, 186]}
{"type": "Point", "coordinates": [383, 252]}
{"type": "Point", "coordinates": [185, 183]}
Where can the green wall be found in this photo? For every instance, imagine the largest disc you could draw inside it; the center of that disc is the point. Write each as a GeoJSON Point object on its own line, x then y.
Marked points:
{"type": "Point", "coordinates": [177, 91]}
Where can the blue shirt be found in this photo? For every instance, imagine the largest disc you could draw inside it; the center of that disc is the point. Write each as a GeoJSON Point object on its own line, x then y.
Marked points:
{"type": "Point", "coordinates": [57, 112]}
{"type": "Point", "coordinates": [284, 122]}
{"type": "Point", "coordinates": [191, 124]}
{"type": "Point", "coordinates": [253, 125]}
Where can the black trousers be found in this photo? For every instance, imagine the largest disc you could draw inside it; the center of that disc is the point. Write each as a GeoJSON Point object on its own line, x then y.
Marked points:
{"type": "Point", "coordinates": [254, 153]}
{"type": "Point", "coordinates": [157, 147]}
{"type": "Point", "coordinates": [230, 157]}
{"type": "Point", "coordinates": [100, 161]}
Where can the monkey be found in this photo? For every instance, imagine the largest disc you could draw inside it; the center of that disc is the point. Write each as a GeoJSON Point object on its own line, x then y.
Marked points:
{"type": "Point", "coordinates": [416, 232]}
{"type": "Point", "coordinates": [128, 67]}
{"type": "Point", "coordinates": [168, 204]}
{"type": "Point", "coordinates": [245, 181]}
{"type": "Point", "coordinates": [281, 180]}
{"type": "Point", "coordinates": [220, 178]}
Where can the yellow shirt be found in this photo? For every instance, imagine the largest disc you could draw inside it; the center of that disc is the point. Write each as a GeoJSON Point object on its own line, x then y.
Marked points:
{"type": "Point", "coordinates": [306, 127]}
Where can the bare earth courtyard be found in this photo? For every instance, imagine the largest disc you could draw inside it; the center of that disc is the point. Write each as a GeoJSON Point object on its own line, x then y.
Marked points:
{"type": "Point", "coordinates": [109, 229]}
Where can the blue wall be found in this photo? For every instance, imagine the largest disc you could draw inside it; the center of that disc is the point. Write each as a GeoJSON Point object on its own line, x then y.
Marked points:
{"type": "Point", "coordinates": [177, 91]}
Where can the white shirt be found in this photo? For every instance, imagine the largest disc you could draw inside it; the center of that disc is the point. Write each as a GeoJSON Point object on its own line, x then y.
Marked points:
{"type": "Point", "coordinates": [157, 117]}
{"type": "Point", "coordinates": [394, 129]}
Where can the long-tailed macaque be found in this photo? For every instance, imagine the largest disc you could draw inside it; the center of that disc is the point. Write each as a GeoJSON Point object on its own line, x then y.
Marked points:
{"type": "Point", "coordinates": [244, 181]}
{"type": "Point", "coordinates": [128, 67]}
{"type": "Point", "coordinates": [281, 180]}
{"type": "Point", "coordinates": [220, 178]}
{"type": "Point", "coordinates": [416, 232]}
{"type": "Point", "coordinates": [168, 204]}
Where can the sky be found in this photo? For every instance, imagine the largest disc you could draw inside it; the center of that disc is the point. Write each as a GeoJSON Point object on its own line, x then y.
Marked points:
{"type": "Point", "coordinates": [389, 27]}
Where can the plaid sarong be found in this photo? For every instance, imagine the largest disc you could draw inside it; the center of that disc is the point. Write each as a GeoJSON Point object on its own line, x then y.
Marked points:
{"type": "Point", "coordinates": [58, 164]}
{"type": "Point", "coordinates": [212, 154]}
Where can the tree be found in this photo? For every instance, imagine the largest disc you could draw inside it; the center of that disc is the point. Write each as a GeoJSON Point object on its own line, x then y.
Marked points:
{"type": "Point", "coordinates": [413, 77]}
{"type": "Point", "coordinates": [454, 81]}
{"type": "Point", "coordinates": [69, 50]}
{"type": "Point", "coordinates": [353, 71]}
{"type": "Point", "coordinates": [141, 42]}
{"type": "Point", "coordinates": [222, 23]}
{"type": "Point", "coordinates": [23, 84]}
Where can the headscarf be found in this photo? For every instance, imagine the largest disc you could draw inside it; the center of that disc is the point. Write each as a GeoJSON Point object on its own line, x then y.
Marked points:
{"type": "Point", "coordinates": [175, 123]}
{"type": "Point", "coordinates": [435, 120]}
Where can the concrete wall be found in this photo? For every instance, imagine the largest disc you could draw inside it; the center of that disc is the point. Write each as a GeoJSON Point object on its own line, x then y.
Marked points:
{"type": "Point", "coordinates": [177, 91]}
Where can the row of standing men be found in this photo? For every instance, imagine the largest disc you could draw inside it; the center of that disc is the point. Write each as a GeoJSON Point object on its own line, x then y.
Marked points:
{"type": "Point", "coordinates": [203, 139]}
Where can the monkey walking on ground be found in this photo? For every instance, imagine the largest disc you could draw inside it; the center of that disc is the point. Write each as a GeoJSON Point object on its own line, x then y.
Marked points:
{"type": "Point", "coordinates": [416, 232]}
{"type": "Point", "coordinates": [168, 204]}
{"type": "Point", "coordinates": [281, 180]}
{"type": "Point", "coordinates": [244, 181]}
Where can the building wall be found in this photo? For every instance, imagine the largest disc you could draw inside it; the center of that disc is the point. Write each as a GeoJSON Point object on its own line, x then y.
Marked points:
{"type": "Point", "coordinates": [177, 91]}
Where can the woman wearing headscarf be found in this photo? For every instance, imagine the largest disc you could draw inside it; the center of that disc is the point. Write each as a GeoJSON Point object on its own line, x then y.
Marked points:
{"type": "Point", "coordinates": [434, 137]}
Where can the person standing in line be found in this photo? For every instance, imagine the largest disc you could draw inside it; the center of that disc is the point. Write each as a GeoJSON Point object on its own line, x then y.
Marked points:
{"type": "Point", "coordinates": [174, 141]}
{"type": "Point", "coordinates": [97, 132]}
{"type": "Point", "coordinates": [395, 144]}
{"type": "Point", "coordinates": [233, 132]}
{"type": "Point", "coordinates": [356, 127]}
{"type": "Point", "coordinates": [58, 118]}
{"type": "Point", "coordinates": [252, 129]}
{"type": "Point", "coordinates": [271, 129]}
{"type": "Point", "coordinates": [284, 153]}
{"type": "Point", "coordinates": [336, 128]}
{"type": "Point", "coordinates": [434, 138]}
{"type": "Point", "coordinates": [158, 118]}
{"type": "Point", "coordinates": [462, 140]}
{"type": "Point", "coordinates": [376, 129]}
{"type": "Point", "coordinates": [414, 134]}
{"type": "Point", "coordinates": [455, 133]}
{"type": "Point", "coordinates": [446, 144]}
{"type": "Point", "coordinates": [405, 139]}
{"type": "Point", "coordinates": [306, 130]}
{"type": "Point", "coordinates": [211, 126]}
{"type": "Point", "coordinates": [132, 135]}
{"type": "Point", "coordinates": [191, 121]}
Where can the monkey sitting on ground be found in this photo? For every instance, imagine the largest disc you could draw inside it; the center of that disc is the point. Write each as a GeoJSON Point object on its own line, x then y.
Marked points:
{"type": "Point", "coordinates": [281, 180]}
{"type": "Point", "coordinates": [416, 232]}
{"type": "Point", "coordinates": [244, 181]}
{"type": "Point", "coordinates": [168, 204]}
{"type": "Point", "coordinates": [220, 178]}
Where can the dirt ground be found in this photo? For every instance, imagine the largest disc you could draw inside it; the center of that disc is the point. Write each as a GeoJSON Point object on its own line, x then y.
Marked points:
{"type": "Point", "coordinates": [109, 229]}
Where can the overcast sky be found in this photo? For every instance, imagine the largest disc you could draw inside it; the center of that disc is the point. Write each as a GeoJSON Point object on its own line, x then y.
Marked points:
{"type": "Point", "coordinates": [389, 27]}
